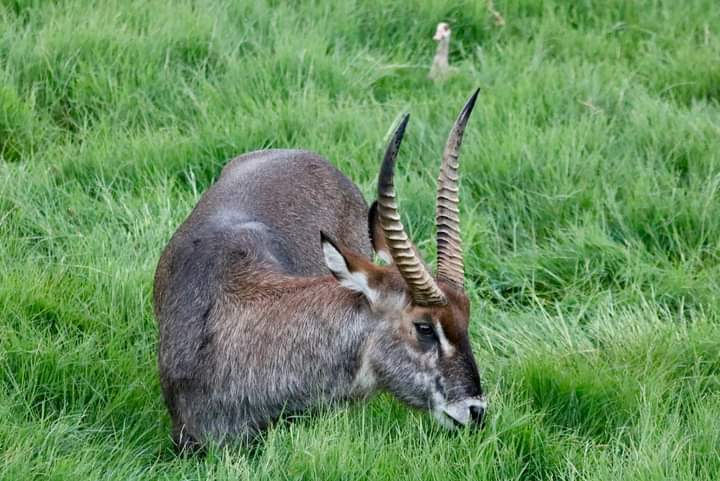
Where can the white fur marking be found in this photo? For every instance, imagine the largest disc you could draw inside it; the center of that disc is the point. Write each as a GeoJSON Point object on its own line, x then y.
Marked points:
{"type": "Point", "coordinates": [365, 381]}
{"type": "Point", "coordinates": [447, 348]}
{"type": "Point", "coordinates": [458, 411]}
{"type": "Point", "coordinates": [355, 281]}
{"type": "Point", "coordinates": [334, 260]}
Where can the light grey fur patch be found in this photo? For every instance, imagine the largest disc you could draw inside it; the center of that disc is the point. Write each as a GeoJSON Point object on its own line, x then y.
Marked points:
{"type": "Point", "coordinates": [365, 381]}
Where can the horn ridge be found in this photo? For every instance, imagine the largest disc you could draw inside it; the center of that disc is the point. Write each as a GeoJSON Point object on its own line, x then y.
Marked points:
{"type": "Point", "coordinates": [423, 289]}
{"type": "Point", "coordinates": [447, 217]}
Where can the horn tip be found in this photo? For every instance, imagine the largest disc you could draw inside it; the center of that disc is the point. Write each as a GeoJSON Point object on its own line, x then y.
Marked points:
{"type": "Point", "coordinates": [470, 104]}
{"type": "Point", "coordinates": [400, 130]}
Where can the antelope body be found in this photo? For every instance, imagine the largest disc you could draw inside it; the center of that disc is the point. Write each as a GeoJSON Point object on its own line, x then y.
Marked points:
{"type": "Point", "coordinates": [268, 302]}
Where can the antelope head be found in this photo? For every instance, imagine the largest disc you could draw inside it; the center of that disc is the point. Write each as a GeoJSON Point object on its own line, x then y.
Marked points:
{"type": "Point", "coordinates": [418, 347]}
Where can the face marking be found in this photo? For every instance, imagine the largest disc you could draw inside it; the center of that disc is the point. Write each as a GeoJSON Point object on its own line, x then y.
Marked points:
{"type": "Point", "coordinates": [447, 348]}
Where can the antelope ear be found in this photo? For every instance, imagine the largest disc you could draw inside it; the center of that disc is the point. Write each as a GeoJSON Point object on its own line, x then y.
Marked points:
{"type": "Point", "coordinates": [349, 269]}
{"type": "Point", "coordinates": [377, 237]}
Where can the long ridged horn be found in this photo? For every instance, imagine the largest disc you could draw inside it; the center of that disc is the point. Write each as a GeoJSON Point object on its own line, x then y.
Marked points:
{"type": "Point", "coordinates": [422, 286]}
{"type": "Point", "coordinates": [447, 217]}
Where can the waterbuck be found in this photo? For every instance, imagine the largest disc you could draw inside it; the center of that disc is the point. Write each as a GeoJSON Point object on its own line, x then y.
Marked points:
{"type": "Point", "coordinates": [268, 301]}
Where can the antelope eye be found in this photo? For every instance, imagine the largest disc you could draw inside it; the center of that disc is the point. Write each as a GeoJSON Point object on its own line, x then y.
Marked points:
{"type": "Point", "coordinates": [424, 330]}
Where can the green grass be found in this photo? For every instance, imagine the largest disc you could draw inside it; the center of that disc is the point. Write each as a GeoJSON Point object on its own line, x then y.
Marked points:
{"type": "Point", "coordinates": [591, 171]}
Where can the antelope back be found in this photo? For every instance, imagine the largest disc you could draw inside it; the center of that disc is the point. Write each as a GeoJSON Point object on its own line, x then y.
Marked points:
{"type": "Point", "coordinates": [284, 198]}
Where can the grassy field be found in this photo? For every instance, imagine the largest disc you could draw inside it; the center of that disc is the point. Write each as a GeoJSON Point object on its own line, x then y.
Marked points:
{"type": "Point", "coordinates": [590, 213]}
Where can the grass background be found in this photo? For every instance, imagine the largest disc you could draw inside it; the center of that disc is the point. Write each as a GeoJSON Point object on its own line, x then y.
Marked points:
{"type": "Point", "coordinates": [590, 212]}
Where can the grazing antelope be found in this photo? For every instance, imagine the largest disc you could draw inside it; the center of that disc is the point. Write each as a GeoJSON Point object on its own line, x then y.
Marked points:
{"type": "Point", "coordinates": [252, 324]}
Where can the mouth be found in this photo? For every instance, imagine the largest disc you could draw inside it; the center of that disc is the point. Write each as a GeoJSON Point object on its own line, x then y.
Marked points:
{"type": "Point", "coordinates": [448, 421]}
{"type": "Point", "coordinates": [459, 414]}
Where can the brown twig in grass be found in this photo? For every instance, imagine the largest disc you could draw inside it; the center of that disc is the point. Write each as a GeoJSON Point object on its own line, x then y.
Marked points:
{"type": "Point", "coordinates": [593, 108]}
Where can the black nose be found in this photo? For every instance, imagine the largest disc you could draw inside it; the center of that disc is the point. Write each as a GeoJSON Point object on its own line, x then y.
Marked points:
{"type": "Point", "coordinates": [477, 414]}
